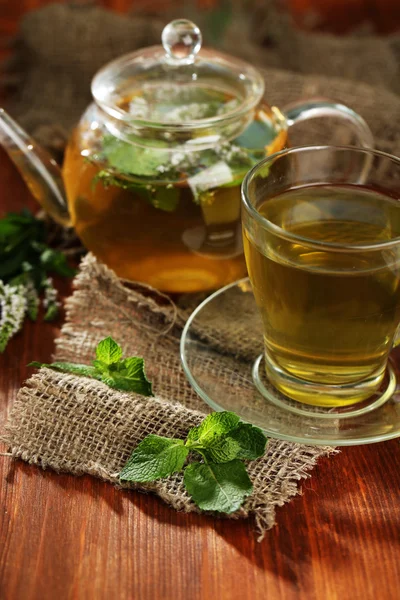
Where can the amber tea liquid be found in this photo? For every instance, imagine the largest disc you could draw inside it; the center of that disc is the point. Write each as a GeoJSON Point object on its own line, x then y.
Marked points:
{"type": "Point", "coordinates": [194, 247]}
{"type": "Point", "coordinates": [329, 316]}
{"type": "Point", "coordinates": [142, 243]}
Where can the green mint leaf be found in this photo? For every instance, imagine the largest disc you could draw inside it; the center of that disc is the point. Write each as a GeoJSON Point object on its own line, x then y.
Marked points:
{"type": "Point", "coordinates": [215, 424]}
{"type": "Point", "coordinates": [101, 366]}
{"type": "Point", "coordinates": [218, 487]}
{"type": "Point", "coordinates": [126, 375]}
{"type": "Point", "coordinates": [66, 367]}
{"type": "Point", "coordinates": [10, 265]}
{"type": "Point", "coordinates": [129, 375]}
{"type": "Point", "coordinates": [108, 351]}
{"type": "Point", "coordinates": [55, 261]}
{"type": "Point", "coordinates": [250, 440]}
{"type": "Point", "coordinates": [165, 198]}
{"type": "Point", "coordinates": [16, 235]}
{"type": "Point", "coordinates": [222, 449]}
{"type": "Point", "coordinates": [52, 312]}
{"type": "Point", "coordinates": [21, 279]}
{"type": "Point", "coordinates": [133, 159]}
{"type": "Point", "coordinates": [8, 230]}
{"type": "Point", "coordinates": [132, 367]}
{"type": "Point", "coordinates": [154, 458]}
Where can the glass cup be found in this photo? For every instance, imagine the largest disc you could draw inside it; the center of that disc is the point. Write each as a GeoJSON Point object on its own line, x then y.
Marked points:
{"type": "Point", "coordinates": [321, 228]}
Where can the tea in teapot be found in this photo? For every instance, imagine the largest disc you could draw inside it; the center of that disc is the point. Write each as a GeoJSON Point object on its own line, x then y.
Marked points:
{"type": "Point", "coordinates": [153, 171]}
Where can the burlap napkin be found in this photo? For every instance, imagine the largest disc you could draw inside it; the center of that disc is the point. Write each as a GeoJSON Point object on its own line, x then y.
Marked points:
{"type": "Point", "coordinates": [80, 425]}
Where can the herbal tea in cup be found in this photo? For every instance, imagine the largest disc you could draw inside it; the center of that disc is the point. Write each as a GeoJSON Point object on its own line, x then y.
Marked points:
{"type": "Point", "coordinates": [322, 243]}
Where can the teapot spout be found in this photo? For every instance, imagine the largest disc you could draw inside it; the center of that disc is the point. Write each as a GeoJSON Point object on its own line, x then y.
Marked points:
{"type": "Point", "coordinates": [39, 170]}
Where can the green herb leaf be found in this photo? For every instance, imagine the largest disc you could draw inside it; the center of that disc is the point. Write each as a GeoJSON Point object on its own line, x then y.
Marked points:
{"type": "Point", "coordinates": [66, 367]}
{"type": "Point", "coordinates": [10, 264]}
{"type": "Point", "coordinates": [51, 313]}
{"type": "Point", "coordinates": [126, 375]}
{"type": "Point", "coordinates": [221, 483]}
{"type": "Point", "coordinates": [165, 198]}
{"type": "Point", "coordinates": [129, 375]}
{"type": "Point", "coordinates": [154, 458]}
{"type": "Point", "coordinates": [132, 370]}
{"type": "Point", "coordinates": [218, 487]}
{"type": "Point", "coordinates": [221, 438]}
{"type": "Point", "coordinates": [55, 261]}
{"type": "Point", "coordinates": [250, 440]}
{"type": "Point", "coordinates": [215, 424]}
{"type": "Point", "coordinates": [101, 366]}
{"type": "Point", "coordinates": [221, 449]}
{"type": "Point", "coordinates": [133, 159]}
{"type": "Point", "coordinates": [108, 351]}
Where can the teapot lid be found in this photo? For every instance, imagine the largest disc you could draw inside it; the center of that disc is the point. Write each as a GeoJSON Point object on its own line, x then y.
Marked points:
{"type": "Point", "coordinates": [177, 85]}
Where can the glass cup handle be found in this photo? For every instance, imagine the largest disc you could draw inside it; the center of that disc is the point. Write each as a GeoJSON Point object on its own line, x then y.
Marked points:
{"type": "Point", "coordinates": [312, 109]}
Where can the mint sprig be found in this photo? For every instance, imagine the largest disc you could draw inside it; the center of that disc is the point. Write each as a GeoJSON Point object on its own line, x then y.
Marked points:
{"type": "Point", "coordinates": [26, 262]}
{"type": "Point", "coordinates": [145, 169]}
{"type": "Point", "coordinates": [220, 482]}
{"type": "Point", "coordinates": [126, 374]}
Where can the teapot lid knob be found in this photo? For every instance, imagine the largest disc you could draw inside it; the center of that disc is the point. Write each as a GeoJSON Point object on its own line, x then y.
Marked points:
{"type": "Point", "coordinates": [182, 41]}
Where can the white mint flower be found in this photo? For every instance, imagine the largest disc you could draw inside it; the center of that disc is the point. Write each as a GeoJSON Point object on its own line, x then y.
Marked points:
{"type": "Point", "coordinates": [13, 306]}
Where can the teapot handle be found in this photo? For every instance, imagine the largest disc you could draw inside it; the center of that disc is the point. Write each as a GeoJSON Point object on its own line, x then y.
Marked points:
{"type": "Point", "coordinates": [38, 168]}
{"type": "Point", "coordinates": [302, 111]}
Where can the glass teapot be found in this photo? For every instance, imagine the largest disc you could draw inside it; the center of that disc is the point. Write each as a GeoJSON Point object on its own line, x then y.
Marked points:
{"type": "Point", "coordinates": [152, 173]}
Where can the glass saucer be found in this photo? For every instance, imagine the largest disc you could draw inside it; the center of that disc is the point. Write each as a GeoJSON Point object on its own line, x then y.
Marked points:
{"type": "Point", "coordinates": [222, 356]}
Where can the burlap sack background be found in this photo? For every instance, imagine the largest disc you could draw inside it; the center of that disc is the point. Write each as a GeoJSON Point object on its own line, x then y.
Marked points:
{"type": "Point", "coordinates": [60, 47]}
{"type": "Point", "coordinates": [80, 425]}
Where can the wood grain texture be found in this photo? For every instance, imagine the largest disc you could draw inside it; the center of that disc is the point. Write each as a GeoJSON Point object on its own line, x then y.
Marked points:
{"type": "Point", "coordinates": [77, 538]}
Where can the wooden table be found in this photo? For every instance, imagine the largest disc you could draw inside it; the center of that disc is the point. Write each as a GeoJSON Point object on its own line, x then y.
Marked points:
{"type": "Point", "coordinates": [65, 537]}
